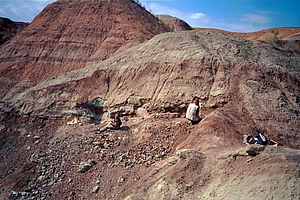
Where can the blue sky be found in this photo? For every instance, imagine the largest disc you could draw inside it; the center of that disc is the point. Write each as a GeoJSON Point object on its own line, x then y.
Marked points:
{"type": "Point", "coordinates": [231, 15]}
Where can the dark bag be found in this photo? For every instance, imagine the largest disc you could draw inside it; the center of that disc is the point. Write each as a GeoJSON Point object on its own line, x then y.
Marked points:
{"type": "Point", "coordinates": [262, 139]}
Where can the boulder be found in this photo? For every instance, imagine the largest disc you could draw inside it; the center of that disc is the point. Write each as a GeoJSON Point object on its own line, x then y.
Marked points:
{"type": "Point", "coordinates": [85, 166]}
{"type": "Point", "coordinates": [189, 153]}
{"type": "Point", "coordinates": [254, 149]}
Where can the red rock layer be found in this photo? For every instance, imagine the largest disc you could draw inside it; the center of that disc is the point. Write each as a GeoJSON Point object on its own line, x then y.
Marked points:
{"type": "Point", "coordinates": [174, 23]}
{"type": "Point", "coordinates": [68, 34]}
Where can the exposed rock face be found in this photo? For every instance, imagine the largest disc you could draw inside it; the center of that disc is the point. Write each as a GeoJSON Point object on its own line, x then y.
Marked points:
{"type": "Point", "coordinates": [9, 29]}
{"type": "Point", "coordinates": [264, 35]}
{"type": "Point", "coordinates": [284, 38]}
{"type": "Point", "coordinates": [294, 37]}
{"type": "Point", "coordinates": [67, 35]}
{"type": "Point", "coordinates": [174, 23]}
{"type": "Point", "coordinates": [248, 83]}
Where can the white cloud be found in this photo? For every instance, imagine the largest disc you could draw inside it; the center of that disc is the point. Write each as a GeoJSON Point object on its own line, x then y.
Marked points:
{"type": "Point", "coordinates": [264, 12]}
{"type": "Point", "coordinates": [159, 9]}
{"type": "Point", "coordinates": [197, 16]}
{"type": "Point", "coordinates": [246, 23]}
{"type": "Point", "coordinates": [240, 27]}
{"type": "Point", "coordinates": [256, 18]}
{"type": "Point", "coordinates": [249, 22]}
{"type": "Point", "coordinates": [23, 11]}
{"type": "Point", "coordinates": [193, 19]}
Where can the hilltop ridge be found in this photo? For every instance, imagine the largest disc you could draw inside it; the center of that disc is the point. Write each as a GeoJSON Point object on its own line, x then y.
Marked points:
{"type": "Point", "coordinates": [8, 29]}
{"type": "Point", "coordinates": [268, 35]}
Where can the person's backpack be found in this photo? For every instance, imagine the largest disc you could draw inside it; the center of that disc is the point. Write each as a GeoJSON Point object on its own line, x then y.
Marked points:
{"type": "Point", "coordinates": [262, 139]}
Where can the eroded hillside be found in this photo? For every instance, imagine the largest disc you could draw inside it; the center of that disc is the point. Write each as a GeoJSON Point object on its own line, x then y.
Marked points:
{"type": "Point", "coordinates": [68, 34]}
{"type": "Point", "coordinates": [250, 81]}
{"type": "Point", "coordinates": [245, 86]}
{"type": "Point", "coordinates": [264, 35]}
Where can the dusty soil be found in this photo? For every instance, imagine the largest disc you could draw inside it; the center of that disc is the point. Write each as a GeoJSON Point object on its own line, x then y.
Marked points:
{"type": "Point", "coordinates": [143, 160]}
{"type": "Point", "coordinates": [55, 154]}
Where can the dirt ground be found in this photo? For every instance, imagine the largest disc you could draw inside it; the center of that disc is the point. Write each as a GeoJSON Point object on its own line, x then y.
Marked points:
{"type": "Point", "coordinates": [142, 160]}
{"type": "Point", "coordinates": [51, 156]}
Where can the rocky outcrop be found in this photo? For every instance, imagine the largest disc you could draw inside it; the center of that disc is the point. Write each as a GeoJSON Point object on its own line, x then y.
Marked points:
{"type": "Point", "coordinates": [9, 29]}
{"type": "Point", "coordinates": [294, 37]}
{"type": "Point", "coordinates": [67, 35]}
{"type": "Point", "coordinates": [246, 86]}
{"type": "Point", "coordinates": [264, 35]}
{"type": "Point", "coordinates": [283, 38]}
{"type": "Point", "coordinates": [175, 23]}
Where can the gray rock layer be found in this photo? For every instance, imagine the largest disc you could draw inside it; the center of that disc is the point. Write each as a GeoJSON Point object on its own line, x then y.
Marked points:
{"type": "Point", "coordinates": [250, 81]}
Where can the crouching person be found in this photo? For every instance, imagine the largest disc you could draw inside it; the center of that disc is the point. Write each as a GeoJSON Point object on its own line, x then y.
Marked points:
{"type": "Point", "coordinates": [115, 124]}
{"type": "Point", "coordinates": [193, 111]}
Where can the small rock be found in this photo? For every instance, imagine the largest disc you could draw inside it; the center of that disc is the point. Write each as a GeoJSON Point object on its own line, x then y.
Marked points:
{"type": "Point", "coordinates": [14, 193]}
{"type": "Point", "coordinates": [249, 160]}
{"type": "Point", "coordinates": [72, 193]}
{"type": "Point", "coordinates": [2, 127]}
{"type": "Point", "coordinates": [85, 166]}
{"type": "Point", "coordinates": [172, 160]}
{"type": "Point", "coordinates": [190, 184]}
{"type": "Point", "coordinates": [106, 145]}
{"type": "Point", "coordinates": [96, 189]}
{"type": "Point", "coordinates": [51, 183]}
{"type": "Point", "coordinates": [123, 156]}
{"type": "Point", "coordinates": [189, 153]}
{"type": "Point", "coordinates": [98, 144]}
{"type": "Point", "coordinates": [121, 180]}
{"type": "Point", "coordinates": [128, 163]}
{"type": "Point", "coordinates": [24, 194]}
{"type": "Point", "coordinates": [41, 178]}
{"type": "Point", "coordinates": [254, 149]}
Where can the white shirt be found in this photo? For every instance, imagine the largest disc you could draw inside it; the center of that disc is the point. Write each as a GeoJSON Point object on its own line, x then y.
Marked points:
{"type": "Point", "coordinates": [192, 112]}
